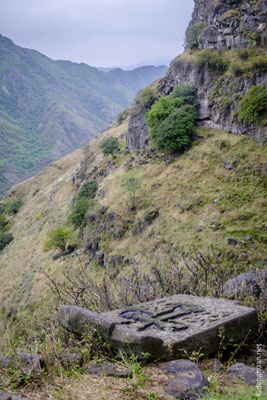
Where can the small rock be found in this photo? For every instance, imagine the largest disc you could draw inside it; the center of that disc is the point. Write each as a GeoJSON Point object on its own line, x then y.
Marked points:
{"type": "Point", "coordinates": [188, 382]}
{"type": "Point", "coordinates": [214, 365]}
{"type": "Point", "coordinates": [248, 238]}
{"type": "Point", "coordinates": [230, 165]}
{"type": "Point", "coordinates": [9, 396]}
{"type": "Point", "coordinates": [25, 361]}
{"type": "Point", "coordinates": [248, 374]}
{"type": "Point", "coordinates": [232, 241]}
{"type": "Point", "coordinates": [69, 359]}
{"type": "Point", "coordinates": [106, 369]}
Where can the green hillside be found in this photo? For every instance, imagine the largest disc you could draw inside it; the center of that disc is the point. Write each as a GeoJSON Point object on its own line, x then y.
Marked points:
{"type": "Point", "coordinates": [50, 108]}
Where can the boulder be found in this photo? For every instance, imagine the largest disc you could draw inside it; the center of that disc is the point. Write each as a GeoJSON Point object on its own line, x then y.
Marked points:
{"type": "Point", "coordinates": [250, 375]}
{"type": "Point", "coordinates": [251, 283]}
{"type": "Point", "coordinates": [188, 381]}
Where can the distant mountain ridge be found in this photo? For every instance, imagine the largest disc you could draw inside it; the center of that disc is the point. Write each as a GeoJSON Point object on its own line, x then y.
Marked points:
{"type": "Point", "coordinates": [49, 108]}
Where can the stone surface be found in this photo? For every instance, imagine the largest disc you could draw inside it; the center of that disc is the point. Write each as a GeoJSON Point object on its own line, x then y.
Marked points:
{"type": "Point", "coordinates": [249, 374]}
{"type": "Point", "coordinates": [9, 396]}
{"type": "Point", "coordinates": [27, 362]}
{"type": "Point", "coordinates": [80, 320]}
{"type": "Point", "coordinates": [215, 365]}
{"type": "Point", "coordinates": [69, 359]}
{"type": "Point", "coordinates": [106, 369]}
{"type": "Point", "coordinates": [250, 283]}
{"type": "Point", "coordinates": [188, 381]}
{"type": "Point", "coordinates": [178, 322]}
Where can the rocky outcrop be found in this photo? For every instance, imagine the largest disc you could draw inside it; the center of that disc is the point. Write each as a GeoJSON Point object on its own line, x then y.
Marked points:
{"type": "Point", "coordinates": [218, 95]}
{"type": "Point", "coordinates": [138, 129]}
{"type": "Point", "coordinates": [230, 24]}
{"type": "Point", "coordinates": [226, 25]}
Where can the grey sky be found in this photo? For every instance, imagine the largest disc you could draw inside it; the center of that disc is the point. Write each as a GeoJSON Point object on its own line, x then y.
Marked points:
{"type": "Point", "coordinates": [99, 32]}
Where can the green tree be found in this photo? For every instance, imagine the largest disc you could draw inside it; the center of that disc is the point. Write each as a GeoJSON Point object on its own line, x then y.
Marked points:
{"type": "Point", "coordinates": [58, 239]}
{"type": "Point", "coordinates": [109, 146]}
{"type": "Point", "coordinates": [176, 130]}
{"type": "Point", "coordinates": [253, 105]}
{"type": "Point", "coordinates": [3, 223]}
{"type": "Point", "coordinates": [131, 185]}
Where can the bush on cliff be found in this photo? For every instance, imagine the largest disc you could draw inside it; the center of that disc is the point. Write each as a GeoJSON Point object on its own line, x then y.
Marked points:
{"type": "Point", "coordinates": [212, 61]}
{"type": "Point", "coordinates": [172, 118]}
{"type": "Point", "coordinates": [176, 130]}
{"type": "Point", "coordinates": [147, 97]}
{"type": "Point", "coordinates": [253, 105]}
{"type": "Point", "coordinates": [193, 34]}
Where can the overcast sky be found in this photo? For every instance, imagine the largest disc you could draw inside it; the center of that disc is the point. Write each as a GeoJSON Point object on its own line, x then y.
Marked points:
{"type": "Point", "coordinates": [102, 33]}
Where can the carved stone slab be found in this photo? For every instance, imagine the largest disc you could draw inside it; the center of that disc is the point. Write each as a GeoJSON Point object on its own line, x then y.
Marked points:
{"type": "Point", "coordinates": [167, 327]}
{"type": "Point", "coordinates": [181, 322]}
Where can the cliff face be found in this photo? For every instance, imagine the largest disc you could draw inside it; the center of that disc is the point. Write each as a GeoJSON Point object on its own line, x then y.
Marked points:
{"type": "Point", "coordinates": [224, 28]}
{"type": "Point", "coordinates": [230, 24]}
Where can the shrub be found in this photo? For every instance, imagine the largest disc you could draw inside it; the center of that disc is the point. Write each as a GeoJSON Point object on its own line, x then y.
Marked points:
{"type": "Point", "coordinates": [253, 105]}
{"type": "Point", "coordinates": [12, 207]}
{"type": "Point", "coordinates": [161, 110]}
{"type": "Point", "coordinates": [122, 117]}
{"type": "Point", "coordinates": [77, 217]}
{"type": "Point", "coordinates": [176, 130]}
{"type": "Point", "coordinates": [58, 239]}
{"type": "Point", "coordinates": [88, 190]}
{"type": "Point", "coordinates": [211, 60]}
{"type": "Point", "coordinates": [109, 145]}
{"type": "Point", "coordinates": [186, 93]}
{"type": "Point", "coordinates": [147, 97]}
{"type": "Point", "coordinates": [131, 185]}
{"type": "Point", "coordinates": [3, 222]}
{"type": "Point", "coordinates": [5, 239]}
{"type": "Point", "coordinates": [192, 35]}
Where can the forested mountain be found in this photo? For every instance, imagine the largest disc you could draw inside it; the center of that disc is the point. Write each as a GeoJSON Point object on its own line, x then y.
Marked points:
{"type": "Point", "coordinates": [50, 108]}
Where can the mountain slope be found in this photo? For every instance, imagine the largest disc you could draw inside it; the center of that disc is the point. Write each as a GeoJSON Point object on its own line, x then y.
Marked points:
{"type": "Point", "coordinates": [50, 108]}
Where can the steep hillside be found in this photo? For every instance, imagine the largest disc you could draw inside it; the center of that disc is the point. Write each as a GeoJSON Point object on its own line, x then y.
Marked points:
{"type": "Point", "coordinates": [50, 108]}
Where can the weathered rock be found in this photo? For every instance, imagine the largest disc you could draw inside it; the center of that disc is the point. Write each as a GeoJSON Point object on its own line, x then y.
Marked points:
{"type": "Point", "coordinates": [250, 375]}
{"type": "Point", "coordinates": [188, 382]}
{"type": "Point", "coordinates": [69, 359]}
{"type": "Point", "coordinates": [9, 396]}
{"type": "Point", "coordinates": [228, 165]}
{"type": "Point", "coordinates": [80, 321]}
{"type": "Point", "coordinates": [27, 362]}
{"type": "Point", "coordinates": [106, 369]}
{"type": "Point", "coordinates": [99, 256]}
{"type": "Point", "coordinates": [214, 365]}
{"type": "Point", "coordinates": [138, 130]}
{"type": "Point", "coordinates": [180, 322]}
{"type": "Point", "coordinates": [250, 283]}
